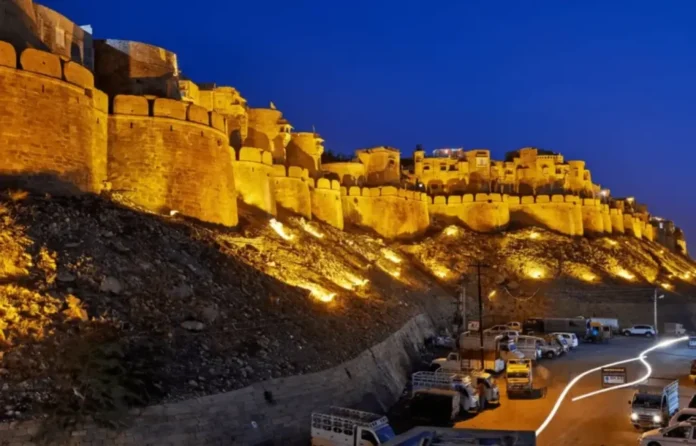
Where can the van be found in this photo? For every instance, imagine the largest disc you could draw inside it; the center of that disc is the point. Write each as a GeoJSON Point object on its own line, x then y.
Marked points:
{"type": "Point", "coordinates": [529, 347]}
{"type": "Point", "coordinates": [435, 406]}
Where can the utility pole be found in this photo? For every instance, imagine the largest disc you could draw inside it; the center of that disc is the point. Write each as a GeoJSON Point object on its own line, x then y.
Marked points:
{"type": "Point", "coordinates": [478, 266]}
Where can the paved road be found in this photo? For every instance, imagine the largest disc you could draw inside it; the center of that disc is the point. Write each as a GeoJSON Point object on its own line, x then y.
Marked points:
{"type": "Point", "coordinates": [601, 420]}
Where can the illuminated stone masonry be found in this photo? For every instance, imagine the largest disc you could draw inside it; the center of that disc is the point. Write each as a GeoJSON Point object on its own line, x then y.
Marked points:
{"type": "Point", "coordinates": [137, 127]}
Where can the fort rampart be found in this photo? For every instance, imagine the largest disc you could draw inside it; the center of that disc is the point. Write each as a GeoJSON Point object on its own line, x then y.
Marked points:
{"type": "Point", "coordinates": [389, 211]}
{"type": "Point", "coordinates": [62, 135]}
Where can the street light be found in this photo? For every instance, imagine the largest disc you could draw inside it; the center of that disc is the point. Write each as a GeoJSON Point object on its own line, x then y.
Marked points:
{"type": "Point", "coordinates": [655, 297]}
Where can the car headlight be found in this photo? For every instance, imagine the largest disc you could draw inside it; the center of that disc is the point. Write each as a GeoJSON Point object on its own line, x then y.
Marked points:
{"type": "Point", "coordinates": [634, 416]}
{"type": "Point", "coordinates": [657, 419]}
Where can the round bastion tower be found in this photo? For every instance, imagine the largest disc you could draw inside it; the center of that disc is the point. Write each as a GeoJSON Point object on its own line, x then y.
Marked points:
{"type": "Point", "coordinates": [266, 129]}
{"type": "Point", "coordinates": [18, 24]}
{"type": "Point", "coordinates": [304, 150]}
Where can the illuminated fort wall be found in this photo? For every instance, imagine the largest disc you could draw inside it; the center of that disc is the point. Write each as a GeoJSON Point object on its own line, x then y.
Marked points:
{"type": "Point", "coordinates": [326, 202]}
{"type": "Point", "coordinates": [170, 155]}
{"type": "Point", "coordinates": [54, 122]}
{"type": "Point", "coordinates": [389, 211]}
{"type": "Point", "coordinates": [291, 189]}
{"type": "Point", "coordinates": [479, 212]}
{"type": "Point", "coordinates": [253, 169]}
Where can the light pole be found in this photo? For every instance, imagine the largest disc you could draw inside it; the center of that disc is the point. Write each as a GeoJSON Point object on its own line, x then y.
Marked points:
{"type": "Point", "coordinates": [655, 297]}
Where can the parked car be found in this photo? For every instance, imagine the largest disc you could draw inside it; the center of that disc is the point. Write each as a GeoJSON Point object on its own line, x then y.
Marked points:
{"type": "Point", "coordinates": [681, 433]}
{"type": "Point", "coordinates": [640, 330]}
{"type": "Point", "coordinates": [512, 334]}
{"type": "Point", "coordinates": [570, 338]}
{"type": "Point", "coordinates": [682, 415]}
{"type": "Point", "coordinates": [560, 341]}
{"type": "Point", "coordinates": [496, 329]}
{"type": "Point", "coordinates": [514, 325]}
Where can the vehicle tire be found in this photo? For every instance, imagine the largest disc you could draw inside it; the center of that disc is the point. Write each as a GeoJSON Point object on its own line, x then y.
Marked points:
{"type": "Point", "coordinates": [627, 333]}
{"type": "Point", "coordinates": [435, 367]}
{"type": "Point", "coordinates": [550, 355]}
{"type": "Point", "coordinates": [648, 335]}
{"type": "Point", "coordinates": [654, 443]}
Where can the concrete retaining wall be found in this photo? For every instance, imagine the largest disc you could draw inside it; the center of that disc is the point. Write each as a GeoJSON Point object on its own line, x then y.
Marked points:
{"type": "Point", "coordinates": [275, 412]}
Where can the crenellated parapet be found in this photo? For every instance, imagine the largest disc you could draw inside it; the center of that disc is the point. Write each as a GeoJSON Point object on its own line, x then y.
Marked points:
{"type": "Point", "coordinates": [166, 155]}
{"type": "Point", "coordinates": [253, 168]}
{"type": "Point", "coordinates": [54, 123]}
{"type": "Point", "coordinates": [326, 202]}
{"type": "Point", "coordinates": [390, 211]}
{"type": "Point", "coordinates": [480, 212]}
{"type": "Point", "coordinates": [291, 186]}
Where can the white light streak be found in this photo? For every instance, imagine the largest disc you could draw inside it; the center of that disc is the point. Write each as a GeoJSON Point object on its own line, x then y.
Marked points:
{"type": "Point", "coordinates": [640, 357]}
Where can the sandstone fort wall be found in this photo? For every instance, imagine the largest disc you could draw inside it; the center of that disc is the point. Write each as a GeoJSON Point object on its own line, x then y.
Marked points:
{"type": "Point", "coordinates": [389, 211]}
{"type": "Point", "coordinates": [617, 221]}
{"type": "Point", "coordinates": [326, 202]}
{"type": "Point", "coordinates": [291, 189]}
{"type": "Point", "coordinates": [557, 212]}
{"type": "Point", "coordinates": [592, 218]}
{"type": "Point", "coordinates": [480, 212]}
{"type": "Point", "coordinates": [253, 169]}
{"type": "Point", "coordinates": [53, 123]}
{"type": "Point", "coordinates": [169, 155]}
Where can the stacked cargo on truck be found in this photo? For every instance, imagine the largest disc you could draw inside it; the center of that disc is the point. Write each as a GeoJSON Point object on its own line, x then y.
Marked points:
{"type": "Point", "coordinates": [340, 426]}
{"type": "Point", "coordinates": [444, 380]}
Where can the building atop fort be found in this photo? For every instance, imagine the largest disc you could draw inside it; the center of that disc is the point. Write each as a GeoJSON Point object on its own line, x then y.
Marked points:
{"type": "Point", "coordinates": [87, 116]}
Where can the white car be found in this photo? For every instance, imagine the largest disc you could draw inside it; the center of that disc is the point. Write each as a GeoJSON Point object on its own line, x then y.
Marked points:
{"type": "Point", "coordinates": [514, 325]}
{"type": "Point", "coordinates": [682, 415]}
{"type": "Point", "coordinates": [680, 434]}
{"type": "Point", "coordinates": [496, 329]}
{"type": "Point", "coordinates": [639, 330]}
{"type": "Point", "coordinates": [570, 338]}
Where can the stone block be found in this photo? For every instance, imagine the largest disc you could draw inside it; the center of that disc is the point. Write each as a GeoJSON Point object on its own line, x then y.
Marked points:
{"type": "Point", "coordinates": [335, 185]}
{"type": "Point", "coordinates": [217, 121]}
{"type": "Point", "coordinates": [250, 154]}
{"type": "Point", "coordinates": [295, 172]}
{"type": "Point", "coordinates": [8, 55]}
{"type": "Point", "coordinates": [543, 199]}
{"type": "Point", "coordinates": [454, 199]}
{"type": "Point", "coordinates": [78, 75]}
{"type": "Point", "coordinates": [527, 199]}
{"type": "Point", "coordinates": [101, 101]}
{"type": "Point", "coordinates": [170, 108]}
{"type": "Point", "coordinates": [266, 158]}
{"type": "Point", "coordinates": [131, 105]}
{"type": "Point", "coordinates": [354, 191]}
{"type": "Point", "coordinates": [279, 171]}
{"type": "Point", "coordinates": [323, 183]}
{"type": "Point", "coordinates": [389, 191]}
{"type": "Point", "coordinates": [557, 199]}
{"type": "Point", "coordinates": [41, 62]}
{"type": "Point", "coordinates": [198, 114]}
{"type": "Point", "coordinates": [440, 199]}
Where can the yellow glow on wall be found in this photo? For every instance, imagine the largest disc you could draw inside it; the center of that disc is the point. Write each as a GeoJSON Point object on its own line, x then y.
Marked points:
{"type": "Point", "coordinates": [686, 276]}
{"type": "Point", "coordinates": [310, 229]}
{"type": "Point", "coordinates": [451, 231]}
{"type": "Point", "coordinates": [534, 235]}
{"type": "Point", "coordinates": [318, 293]}
{"type": "Point", "coordinates": [624, 274]}
{"type": "Point", "coordinates": [391, 256]}
{"type": "Point", "coordinates": [588, 277]}
{"type": "Point", "coordinates": [535, 272]}
{"type": "Point", "coordinates": [280, 229]}
{"type": "Point", "coordinates": [667, 286]}
{"type": "Point", "coordinates": [612, 242]}
{"type": "Point", "coordinates": [351, 281]}
{"type": "Point", "coordinates": [491, 295]}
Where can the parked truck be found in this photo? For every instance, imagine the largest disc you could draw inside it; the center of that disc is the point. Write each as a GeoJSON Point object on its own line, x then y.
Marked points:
{"type": "Point", "coordinates": [654, 402]}
{"type": "Point", "coordinates": [674, 329]}
{"type": "Point", "coordinates": [539, 325]}
{"type": "Point", "coordinates": [612, 323]}
{"type": "Point", "coordinates": [496, 350]}
{"type": "Point", "coordinates": [519, 377]}
{"type": "Point", "coordinates": [444, 380]}
{"type": "Point", "coordinates": [340, 426]}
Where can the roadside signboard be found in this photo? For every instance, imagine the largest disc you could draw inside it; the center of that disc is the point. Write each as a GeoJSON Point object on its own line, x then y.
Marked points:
{"type": "Point", "coordinates": [613, 376]}
{"type": "Point", "coordinates": [692, 341]}
{"type": "Point", "coordinates": [473, 326]}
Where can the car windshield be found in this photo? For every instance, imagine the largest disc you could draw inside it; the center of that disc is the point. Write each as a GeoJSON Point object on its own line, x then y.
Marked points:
{"type": "Point", "coordinates": [650, 401]}
{"type": "Point", "coordinates": [385, 433]}
{"type": "Point", "coordinates": [517, 374]}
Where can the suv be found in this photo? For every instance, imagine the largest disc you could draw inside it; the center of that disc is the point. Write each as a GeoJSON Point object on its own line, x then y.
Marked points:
{"type": "Point", "coordinates": [640, 330]}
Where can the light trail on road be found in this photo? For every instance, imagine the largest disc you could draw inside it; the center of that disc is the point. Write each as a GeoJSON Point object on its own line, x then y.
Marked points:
{"type": "Point", "coordinates": [640, 357]}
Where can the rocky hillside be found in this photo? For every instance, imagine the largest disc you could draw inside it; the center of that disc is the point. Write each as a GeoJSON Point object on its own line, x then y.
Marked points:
{"type": "Point", "coordinates": [96, 296]}
{"type": "Point", "coordinates": [104, 307]}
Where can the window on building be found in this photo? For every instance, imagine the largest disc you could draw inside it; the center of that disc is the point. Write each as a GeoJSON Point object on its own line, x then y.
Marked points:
{"type": "Point", "coordinates": [443, 167]}
{"type": "Point", "coordinates": [426, 167]}
{"type": "Point", "coordinates": [481, 161]}
{"type": "Point", "coordinates": [60, 37]}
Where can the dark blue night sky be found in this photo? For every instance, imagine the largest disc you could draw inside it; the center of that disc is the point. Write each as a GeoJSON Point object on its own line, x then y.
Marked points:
{"type": "Point", "coordinates": [610, 82]}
